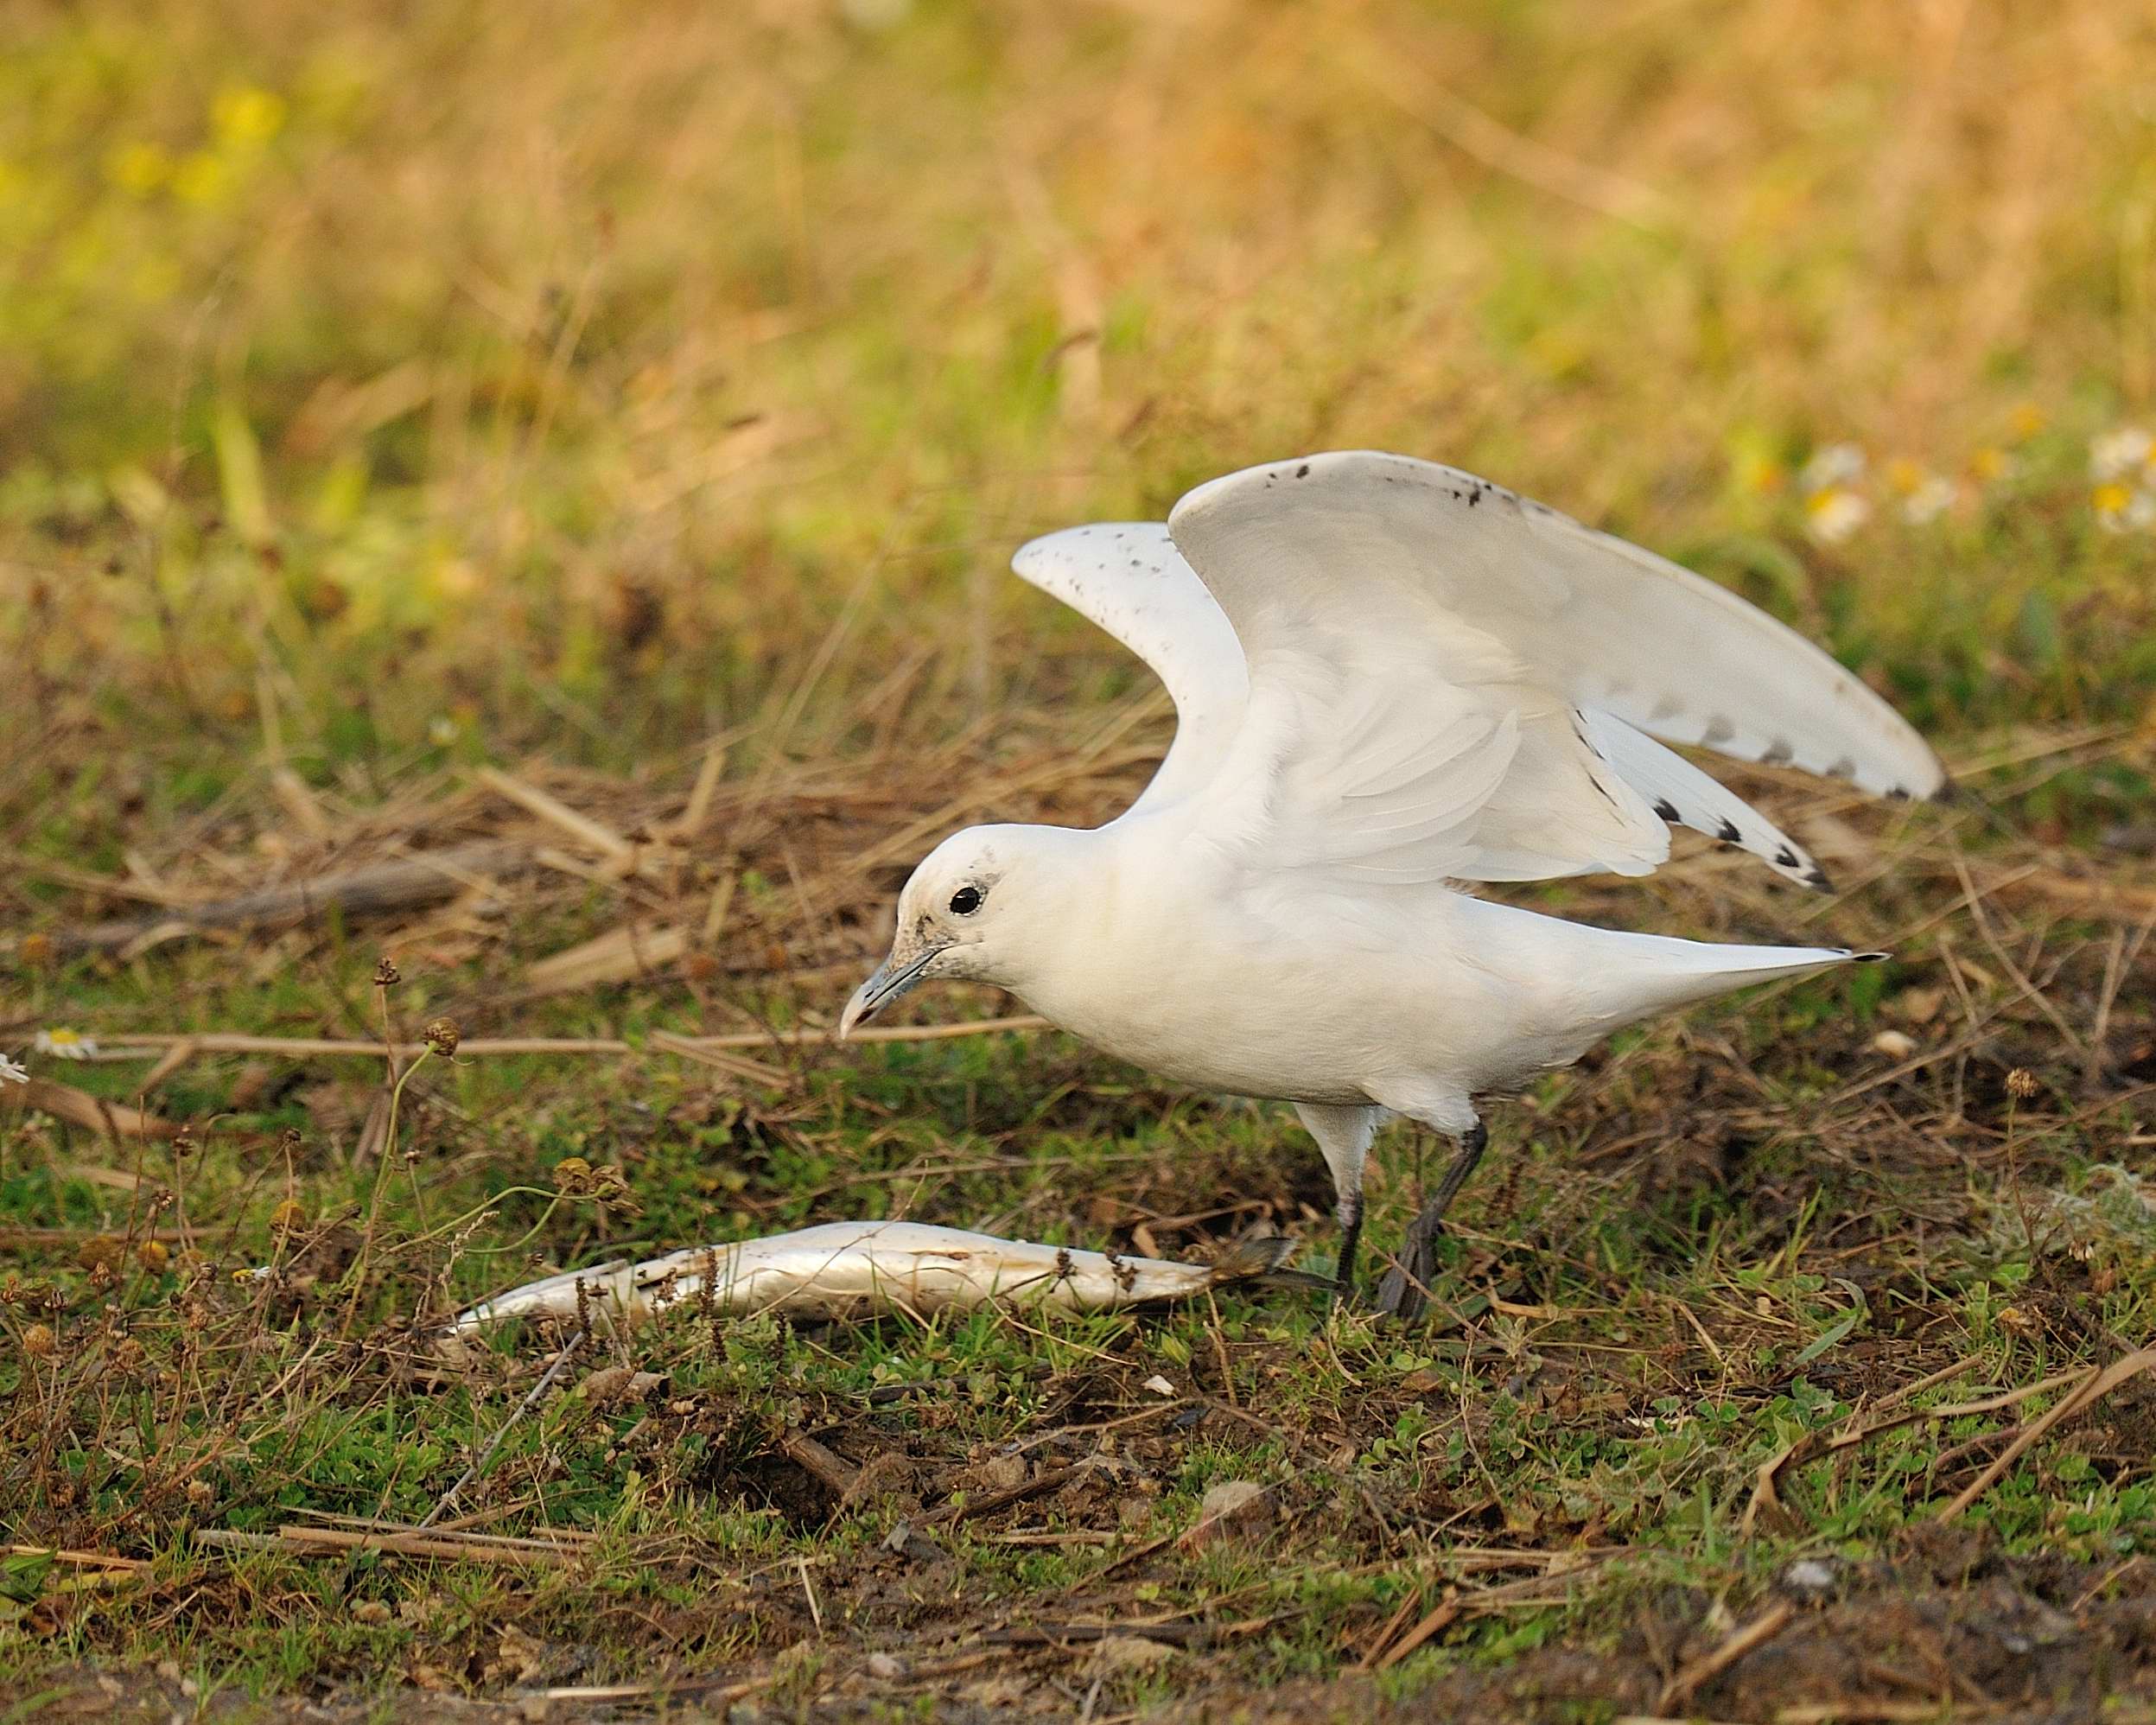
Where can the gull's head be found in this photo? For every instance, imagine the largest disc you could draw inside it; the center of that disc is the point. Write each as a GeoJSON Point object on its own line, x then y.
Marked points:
{"type": "Point", "coordinates": [973, 911]}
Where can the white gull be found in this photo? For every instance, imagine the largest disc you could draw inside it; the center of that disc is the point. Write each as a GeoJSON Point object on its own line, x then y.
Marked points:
{"type": "Point", "coordinates": [1393, 680]}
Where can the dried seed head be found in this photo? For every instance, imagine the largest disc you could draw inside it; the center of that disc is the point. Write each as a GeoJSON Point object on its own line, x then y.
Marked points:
{"type": "Point", "coordinates": [128, 1354]}
{"type": "Point", "coordinates": [288, 1217]}
{"type": "Point", "coordinates": [441, 1036]}
{"type": "Point", "coordinates": [100, 1252]}
{"type": "Point", "coordinates": [39, 1341]}
{"type": "Point", "coordinates": [2021, 1084]}
{"type": "Point", "coordinates": [200, 1493]}
{"type": "Point", "coordinates": [572, 1177]}
{"type": "Point", "coordinates": [183, 1144]}
{"type": "Point", "coordinates": [386, 974]}
{"type": "Point", "coordinates": [290, 1143]}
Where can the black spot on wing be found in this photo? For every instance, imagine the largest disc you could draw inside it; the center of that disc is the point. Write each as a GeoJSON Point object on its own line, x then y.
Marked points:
{"type": "Point", "coordinates": [1727, 833]}
{"type": "Point", "coordinates": [1303, 472]}
{"type": "Point", "coordinates": [1785, 858]}
{"type": "Point", "coordinates": [1668, 810]}
{"type": "Point", "coordinates": [1778, 752]}
{"type": "Point", "coordinates": [1818, 879]}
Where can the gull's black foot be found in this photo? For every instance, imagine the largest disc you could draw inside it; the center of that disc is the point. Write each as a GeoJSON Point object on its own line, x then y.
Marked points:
{"type": "Point", "coordinates": [1405, 1292]}
{"type": "Point", "coordinates": [1351, 1237]}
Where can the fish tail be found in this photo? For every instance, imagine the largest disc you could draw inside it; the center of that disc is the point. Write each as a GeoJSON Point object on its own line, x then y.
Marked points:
{"type": "Point", "coordinates": [1251, 1255]}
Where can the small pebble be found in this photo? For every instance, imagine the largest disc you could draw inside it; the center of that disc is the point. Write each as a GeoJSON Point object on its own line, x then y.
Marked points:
{"type": "Point", "coordinates": [1811, 1576]}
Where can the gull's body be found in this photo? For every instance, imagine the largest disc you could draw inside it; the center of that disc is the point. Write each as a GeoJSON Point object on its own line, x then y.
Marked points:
{"type": "Point", "coordinates": [1393, 681]}
{"type": "Point", "coordinates": [1167, 955]}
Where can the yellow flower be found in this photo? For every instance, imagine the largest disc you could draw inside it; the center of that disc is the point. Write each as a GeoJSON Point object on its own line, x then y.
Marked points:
{"type": "Point", "coordinates": [1902, 476]}
{"type": "Point", "coordinates": [2027, 420]}
{"type": "Point", "coordinates": [140, 169]}
{"type": "Point", "coordinates": [2119, 507]}
{"type": "Point", "coordinates": [63, 1044]}
{"type": "Point", "coordinates": [243, 114]}
{"type": "Point", "coordinates": [1833, 513]}
{"type": "Point", "coordinates": [200, 178]}
{"type": "Point", "coordinates": [1989, 464]}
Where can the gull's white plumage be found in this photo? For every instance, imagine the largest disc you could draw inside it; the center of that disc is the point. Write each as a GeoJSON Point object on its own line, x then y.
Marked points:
{"type": "Point", "coordinates": [1391, 678]}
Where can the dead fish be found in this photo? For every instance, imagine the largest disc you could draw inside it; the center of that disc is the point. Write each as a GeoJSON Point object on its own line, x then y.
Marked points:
{"type": "Point", "coordinates": [845, 1269]}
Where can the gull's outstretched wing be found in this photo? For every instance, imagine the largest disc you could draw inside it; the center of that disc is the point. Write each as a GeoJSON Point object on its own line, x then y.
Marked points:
{"type": "Point", "coordinates": [1128, 577]}
{"type": "Point", "coordinates": [1448, 681]}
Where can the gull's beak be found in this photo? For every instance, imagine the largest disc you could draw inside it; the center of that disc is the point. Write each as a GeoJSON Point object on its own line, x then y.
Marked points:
{"type": "Point", "coordinates": [892, 978]}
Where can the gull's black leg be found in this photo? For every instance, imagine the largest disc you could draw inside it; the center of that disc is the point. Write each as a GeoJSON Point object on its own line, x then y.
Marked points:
{"type": "Point", "coordinates": [1351, 1237]}
{"type": "Point", "coordinates": [1406, 1289]}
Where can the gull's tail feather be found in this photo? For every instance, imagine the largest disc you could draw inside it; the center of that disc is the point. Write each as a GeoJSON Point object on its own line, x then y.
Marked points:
{"type": "Point", "coordinates": [1655, 974]}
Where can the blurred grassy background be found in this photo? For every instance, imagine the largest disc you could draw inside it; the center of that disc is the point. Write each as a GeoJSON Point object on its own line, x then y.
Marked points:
{"type": "Point", "coordinates": [419, 378]}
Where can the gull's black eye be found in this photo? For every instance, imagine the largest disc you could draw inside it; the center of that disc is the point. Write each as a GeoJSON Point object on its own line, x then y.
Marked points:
{"type": "Point", "coordinates": [965, 901]}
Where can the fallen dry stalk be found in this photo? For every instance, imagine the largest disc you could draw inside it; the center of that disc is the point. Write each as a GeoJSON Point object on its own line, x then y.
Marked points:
{"type": "Point", "coordinates": [536, 1394]}
{"type": "Point", "coordinates": [326, 1542]}
{"type": "Point", "coordinates": [149, 1044]}
{"type": "Point", "coordinates": [88, 1560]}
{"type": "Point", "coordinates": [1457, 1604]}
{"type": "Point", "coordinates": [2093, 1389]}
{"type": "Point", "coordinates": [1814, 1444]}
{"type": "Point", "coordinates": [92, 1113]}
{"type": "Point", "coordinates": [405, 884]}
{"type": "Point", "coordinates": [1746, 1639]}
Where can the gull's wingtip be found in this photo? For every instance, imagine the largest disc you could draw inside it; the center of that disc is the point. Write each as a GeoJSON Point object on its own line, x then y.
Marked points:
{"type": "Point", "coordinates": [1039, 559]}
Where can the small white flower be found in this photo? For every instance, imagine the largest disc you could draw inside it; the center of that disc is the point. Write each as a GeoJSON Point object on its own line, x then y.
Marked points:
{"type": "Point", "coordinates": [10, 1073]}
{"type": "Point", "coordinates": [441, 731]}
{"type": "Point", "coordinates": [1837, 466]}
{"type": "Point", "coordinates": [1831, 515]}
{"type": "Point", "coordinates": [1931, 498]}
{"type": "Point", "coordinates": [65, 1045]}
{"type": "Point", "coordinates": [2120, 454]}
